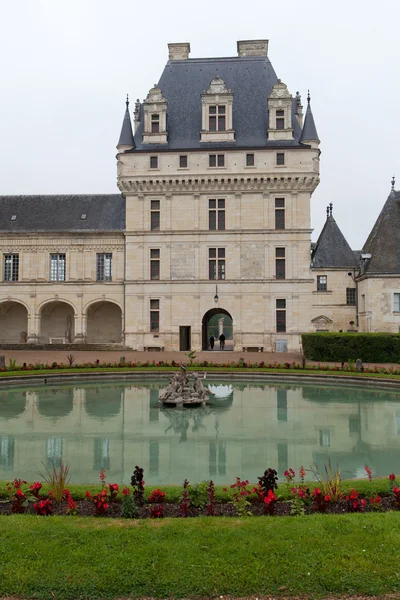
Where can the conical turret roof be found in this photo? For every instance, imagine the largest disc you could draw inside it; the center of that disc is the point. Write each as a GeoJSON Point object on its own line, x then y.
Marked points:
{"type": "Point", "coordinates": [332, 249]}
{"type": "Point", "coordinates": [309, 133]}
{"type": "Point", "coordinates": [383, 242]}
{"type": "Point", "coordinates": [126, 137]}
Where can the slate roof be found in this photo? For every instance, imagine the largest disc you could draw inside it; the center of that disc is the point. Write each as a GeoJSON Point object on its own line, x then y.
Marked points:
{"type": "Point", "coordinates": [126, 136]}
{"type": "Point", "coordinates": [383, 242]}
{"type": "Point", "coordinates": [251, 80]}
{"type": "Point", "coordinates": [309, 132]}
{"type": "Point", "coordinates": [104, 212]}
{"type": "Point", "coordinates": [332, 249]}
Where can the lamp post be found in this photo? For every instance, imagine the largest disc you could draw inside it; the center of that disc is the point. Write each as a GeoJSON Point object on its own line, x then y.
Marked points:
{"type": "Point", "coordinates": [216, 295]}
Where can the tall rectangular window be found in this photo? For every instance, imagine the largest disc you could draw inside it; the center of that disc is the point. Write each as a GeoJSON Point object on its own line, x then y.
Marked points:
{"type": "Point", "coordinates": [153, 162]}
{"type": "Point", "coordinates": [280, 158]}
{"type": "Point", "coordinates": [154, 315]}
{"type": "Point", "coordinates": [216, 263]}
{"type": "Point", "coordinates": [322, 283]}
{"type": "Point", "coordinates": [155, 215]}
{"type": "Point", "coordinates": [281, 316]}
{"type": "Point", "coordinates": [279, 213]}
{"type": "Point", "coordinates": [280, 263]}
{"type": "Point", "coordinates": [216, 214]}
{"type": "Point", "coordinates": [57, 267]}
{"type": "Point", "coordinates": [54, 447]}
{"type": "Point", "coordinates": [103, 267]}
{"type": "Point", "coordinates": [183, 161]}
{"type": "Point", "coordinates": [155, 123]}
{"type": "Point", "coordinates": [216, 118]}
{"type": "Point", "coordinates": [11, 267]}
{"type": "Point", "coordinates": [351, 296]}
{"type": "Point", "coordinates": [280, 119]}
{"type": "Point", "coordinates": [216, 160]}
{"type": "Point", "coordinates": [101, 454]}
{"type": "Point", "coordinates": [154, 263]}
{"type": "Point", "coordinates": [396, 306]}
{"type": "Point", "coordinates": [249, 160]}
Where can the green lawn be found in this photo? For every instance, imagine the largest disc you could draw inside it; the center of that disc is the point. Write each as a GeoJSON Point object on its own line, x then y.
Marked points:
{"type": "Point", "coordinates": [68, 558]}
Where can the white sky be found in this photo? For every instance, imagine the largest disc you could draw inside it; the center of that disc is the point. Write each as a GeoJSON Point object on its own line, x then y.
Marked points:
{"type": "Point", "coordinates": [66, 68]}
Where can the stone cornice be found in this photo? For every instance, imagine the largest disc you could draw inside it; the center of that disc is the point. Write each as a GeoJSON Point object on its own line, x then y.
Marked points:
{"type": "Point", "coordinates": [297, 182]}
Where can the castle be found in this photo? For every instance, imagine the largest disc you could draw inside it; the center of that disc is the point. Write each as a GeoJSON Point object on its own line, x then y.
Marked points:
{"type": "Point", "coordinates": [212, 220]}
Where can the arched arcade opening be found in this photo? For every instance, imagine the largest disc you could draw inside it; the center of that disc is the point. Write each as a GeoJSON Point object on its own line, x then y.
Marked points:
{"type": "Point", "coordinates": [57, 322]}
{"type": "Point", "coordinates": [215, 322]}
{"type": "Point", "coordinates": [104, 323]}
{"type": "Point", "coordinates": [13, 322]}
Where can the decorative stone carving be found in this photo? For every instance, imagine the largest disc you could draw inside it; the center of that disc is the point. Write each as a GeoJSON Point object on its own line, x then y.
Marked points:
{"type": "Point", "coordinates": [155, 117]}
{"type": "Point", "coordinates": [280, 113]}
{"type": "Point", "coordinates": [219, 96]}
{"type": "Point", "coordinates": [179, 392]}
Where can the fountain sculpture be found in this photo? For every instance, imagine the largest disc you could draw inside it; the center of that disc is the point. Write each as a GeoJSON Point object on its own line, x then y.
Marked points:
{"type": "Point", "coordinates": [180, 392]}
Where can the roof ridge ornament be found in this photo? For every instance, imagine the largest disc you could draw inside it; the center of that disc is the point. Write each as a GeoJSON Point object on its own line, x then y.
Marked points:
{"type": "Point", "coordinates": [127, 101]}
{"type": "Point", "coordinates": [308, 98]}
{"type": "Point", "coordinates": [393, 182]}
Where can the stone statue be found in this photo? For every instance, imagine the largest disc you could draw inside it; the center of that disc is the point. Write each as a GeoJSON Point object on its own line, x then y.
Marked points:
{"type": "Point", "coordinates": [180, 392]}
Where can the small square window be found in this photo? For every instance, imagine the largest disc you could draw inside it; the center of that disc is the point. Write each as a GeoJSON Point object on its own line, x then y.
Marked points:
{"type": "Point", "coordinates": [212, 160]}
{"type": "Point", "coordinates": [249, 160]}
{"type": "Point", "coordinates": [221, 160]}
{"type": "Point", "coordinates": [322, 283]}
{"type": "Point", "coordinates": [280, 158]}
{"type": "Point", "coordinates": [281, 303]}
{"type": "Point", "coordinates": [279, 202]}
{"type": "Point", "coordinates": [153, 162]}
{"type": "Point", "coordinates": [280, 252]}
{"type": "Point", "coordinates": [13, 217]}
{"type": "Point", "coordinates": [83, 217]}
{"type": "Point", "coordinates": [183, 161]}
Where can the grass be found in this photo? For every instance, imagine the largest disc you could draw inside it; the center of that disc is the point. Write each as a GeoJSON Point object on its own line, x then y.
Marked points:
{"type": "Point", "coordinates": [68, 558]}
{"type": "Point", "coordinates": [221, 369]}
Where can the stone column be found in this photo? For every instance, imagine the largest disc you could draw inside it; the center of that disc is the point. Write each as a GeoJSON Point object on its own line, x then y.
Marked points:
{"type": "Point", "coordinates": [33, 323]}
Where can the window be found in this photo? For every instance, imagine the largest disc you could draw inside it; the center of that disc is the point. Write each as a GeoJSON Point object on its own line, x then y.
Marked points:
{"type": "Point", "coordinates": [7, 447]}
{"type": "Point", "coordinates": [279, 213]}
{"type": "Point", "coordinates": [183, 161]}
{"type": "Point", "coordinates": [281, 316]}
{"type": "Point", "coordinates": [322, 283]}
{"type": "Point", "coordinates": [216, 263]}
{"type": "Point", "coordinates": [155, 263]}
{"type": "Point", "coordinates": [280, 263]}
{"type": "Point", "coordinates": [101, 454]}
{"type": "Point", "coordinates": [396, 302]}
{"type": "Point", "coordinates": [11, 267]}
{"type": "Point", "coordinates": [54, 452]}
{"type": "Point", "coordinates": [249, 160]}
{"type": "Point", "coordinates": [153, 162]}
{"type": "Point", "coordinates": [154, 315]}
{"type": "Point", "coordinates": [280, 158]}
{"type": "Point", "coordinates": [155, 215]}
{"type": "Point", "coordinates": [351, 296]}
{"type": "Point", "coordinates": [216, 118]}
{"type": "Point", "coordinates": [155, 123]}
{"type": "Point", "coordinates": [280, 119]}
{"type": "Point", "coordinates": [324, 438]}
{"type": "Point", "coordinates": [216, 160]}
{"type": "Point", "coordinates": [216, 214]}
{"type": "Point", "coordinates": [57, 267]}
{"type": "Point", "coordinates": [103, 267]}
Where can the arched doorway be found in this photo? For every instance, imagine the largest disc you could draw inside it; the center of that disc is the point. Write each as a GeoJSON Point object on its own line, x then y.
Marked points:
{"type": "Point", "coordinates": [13, 322]}
{"type": "Point", "coordinates": [104, 323]}
{"type": "Point", "coordinates": [57, 322]}
{"type": "Point", "coordinates": [215, 322]}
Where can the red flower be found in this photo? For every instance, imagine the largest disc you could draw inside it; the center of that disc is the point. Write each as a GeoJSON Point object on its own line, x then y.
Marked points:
{"type": "Point", "coordinates": [392, 477]}
{"type": "Point", "coordinates": [327, 498]}
{"type": "Point", "coordinates": [20, 494]}
{"type": "Point", "coordinates": [126, 492]}
{"type": "Point", "coordinates": [368, 472]}
{"type": "Point", "coordinates": [88, 494]}
{"type": "Point", "coordinates": [302, 472]}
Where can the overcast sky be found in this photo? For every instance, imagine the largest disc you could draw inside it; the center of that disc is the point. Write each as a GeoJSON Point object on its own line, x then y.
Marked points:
{"type": "Point", "coordinates": [66, 68]}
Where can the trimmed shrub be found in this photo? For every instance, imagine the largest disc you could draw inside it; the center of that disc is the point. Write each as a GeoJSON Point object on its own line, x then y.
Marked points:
{"type": "Point", "coordinates": [342, 347]}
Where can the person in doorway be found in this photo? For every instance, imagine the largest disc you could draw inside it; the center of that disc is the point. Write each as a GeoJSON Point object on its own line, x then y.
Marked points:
{"type": "Point", "coordinates": [212, 340]}
{"type": "Point", "coordinates": [222, 341]}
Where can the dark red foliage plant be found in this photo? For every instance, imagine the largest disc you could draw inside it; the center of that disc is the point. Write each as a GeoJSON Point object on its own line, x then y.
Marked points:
{"type": "Point", "coordinates": [137, 482]}
{"type": "Point", "coordinates": [157, 496]}
{"type": "Point", "coordinates": [43, 507]}
{"type": "Point", "coordinates": [320, 501]}
{"type": "Point", "coordinates": [210, 508]}
{"type": "Point", "coordinates": [270, 501]}
{"type": "Point", "coordinates": [354, 503]}
{"type": "Point", "coordinates": [157, 512]}
{"type": "Point", "coordinates": [185, 500]}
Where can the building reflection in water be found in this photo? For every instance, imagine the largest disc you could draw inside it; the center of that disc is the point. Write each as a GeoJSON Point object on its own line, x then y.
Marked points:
{"type": "Point", "coordinates": [246, 428]}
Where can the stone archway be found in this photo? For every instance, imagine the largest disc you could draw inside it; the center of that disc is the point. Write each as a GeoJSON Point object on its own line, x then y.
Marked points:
{"type": "Point", "coordinates": [104, 323]}
{"type": "Point", "coordinates": [57, 322]}
{"type": "Point", "coordinates": [214, 321]}
{"type": "Point", "coordinates": [13, 322]}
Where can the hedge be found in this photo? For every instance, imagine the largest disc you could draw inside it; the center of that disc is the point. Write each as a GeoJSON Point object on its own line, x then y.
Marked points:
{"type": "Point", "coordinates": [342, 347]}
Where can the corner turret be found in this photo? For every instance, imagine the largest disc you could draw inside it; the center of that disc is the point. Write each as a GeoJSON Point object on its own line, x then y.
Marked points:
{"type": "Point", "coordinates": [126, 141]}
{"type": "Point", "coordinates": [309, 134]}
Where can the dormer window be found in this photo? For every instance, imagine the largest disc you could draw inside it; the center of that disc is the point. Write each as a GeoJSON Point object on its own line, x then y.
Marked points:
{"type": "Point", "coordinates": [280, 119]}
{"type": "Point", "coordinates": [155, 117]}
{"type": "Point", "coordinates": [216, 120]}
{"type": "Point", "coordinates": [155, 123]}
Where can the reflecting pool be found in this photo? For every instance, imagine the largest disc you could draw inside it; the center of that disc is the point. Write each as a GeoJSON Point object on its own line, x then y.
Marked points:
{"type": "Point", "coordinates": [248, 427]}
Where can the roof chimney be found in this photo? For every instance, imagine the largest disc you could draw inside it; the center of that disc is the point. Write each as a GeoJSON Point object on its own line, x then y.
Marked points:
{"type": "Point", "coordinates": [179, 51]}
{"type": "Point", "coordinates": [252, 48]}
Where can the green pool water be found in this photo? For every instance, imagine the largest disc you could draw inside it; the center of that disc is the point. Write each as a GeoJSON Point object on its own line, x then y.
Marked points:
{"type": "Point", "coordinates": [247, 428]}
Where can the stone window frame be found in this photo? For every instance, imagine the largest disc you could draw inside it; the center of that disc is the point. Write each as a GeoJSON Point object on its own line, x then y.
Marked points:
{"type": "Point", "coordinates": [396, 302]}
{"type": "Point", "coordinates": [280, 221]}
{"type": "Point", "coordinates": [185, 161]}
{"type": "Point", "coordinates": [155, 122]}
{"type": "Point", "coordinates": [58, 266]}
{"type": "Point", "coordinates": [351, 296]}
{"type": "Point", "coordinates": [215, 97]}
{"type": "Point", "coordinates": [219, 158]}
{"type": "Point", "coordinates": [280, 159]}
{"type": "Point", "coordinates": [11, 269]}
{"type": "Point", "coordinates": [153, 162]}
{"type": "Point", "coordinates": [155, 264]}
{"type": "Point", "coordinates": [154, 314]}
{"type": "Point", "coordinates": [104, 266]}
{"type": "Point", "coordinates": [216, 214]}
{"type": "Point", "coordinates": [250, 159]}
{"type": "Point", "coordinates": [280, 315]}
{"type": "Point", "coordinates": [155, 214]}
{"type": "Point", "coordinates": [217, 263]}
{"type": "Point", "coordinates": [280, 262]}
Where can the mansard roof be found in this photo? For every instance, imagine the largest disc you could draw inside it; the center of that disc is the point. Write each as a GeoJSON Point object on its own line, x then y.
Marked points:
{"type": "Point", "coordinates": [383, 242]}
{"type": "Point", "coordinates": [251, 80]}
{"type": "Point", "coordinates": [104, 212]}
{"type": "Point", "coordinates": [332, 249]}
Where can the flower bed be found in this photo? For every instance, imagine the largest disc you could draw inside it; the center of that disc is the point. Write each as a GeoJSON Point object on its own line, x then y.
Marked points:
{"type": "Point", "coordinates": [239, 499]}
